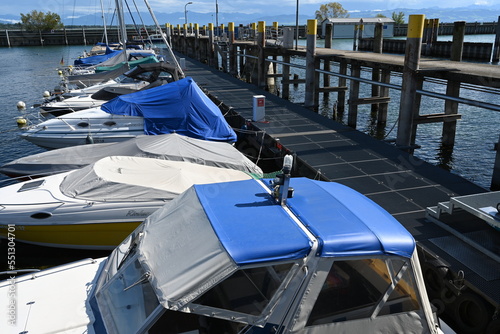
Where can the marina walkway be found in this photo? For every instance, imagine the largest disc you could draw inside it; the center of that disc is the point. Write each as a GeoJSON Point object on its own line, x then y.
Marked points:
{"type": "Point", "coordinates": [400, 183]}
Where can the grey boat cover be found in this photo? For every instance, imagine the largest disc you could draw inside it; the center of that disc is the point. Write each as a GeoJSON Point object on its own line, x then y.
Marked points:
{"type": "Point", "coordinates": [119, 178]}
{"type": "Point", "coordinates": [170, 146]}
{"type": "Point", "coordinates": [85, 80]}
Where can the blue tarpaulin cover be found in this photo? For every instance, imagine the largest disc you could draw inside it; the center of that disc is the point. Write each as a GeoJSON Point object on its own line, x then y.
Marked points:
{"type": "Point", "coordinates": [94, 60]}
{"type": "Point", "coordinates": [347, 222]}
{"type": "Point", "coordinates": [253, 228]}
{"type": "Point", "coordinates": [180, 107]}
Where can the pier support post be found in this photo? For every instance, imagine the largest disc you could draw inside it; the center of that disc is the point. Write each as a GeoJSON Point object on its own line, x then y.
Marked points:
{"type": "Point", "coordinates": [312, 26]}
{"type": "Point", "coordinates": [326, 65]}
{"type": "Point", "coordinates": [261, 44]}
{"type": "Point", "coordinates": [232, 50]}
{"type": "Point", "coordinates": [377, 48]}
{"type": "Point", "coordinates": [197, 41]}
{"type": "Point", "coordinates": [410, 81]}
{"type": "Point", "coordinates": [341, 94]}
{"type": "Point", "coordinates": [286, 78]}
{"type": "Point", "coordinates": [453, 87]}
{"type": "Point", "coordinates": [184, 39]}
{"type": "Point", "coordinates": [352, 115]}
{"type": "Point", "coordinates": [8, 39]}
{"type": "Point", "coordinates": [457, 45]}
{"type": "Point", "coordinates": [496, 48]}
{"type": "Point", "coordinates": [495, 180]}
{"type": "Point", "coordinates": [213, 57]}
{"type": "Point", "coordinates": [383, 107]}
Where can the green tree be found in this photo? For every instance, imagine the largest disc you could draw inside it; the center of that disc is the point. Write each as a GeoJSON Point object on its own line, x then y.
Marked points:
{"type": "Point", "coordinates": [39, 21]}
{"type": "Point", "coordinates": [380, 15]}
{"type": "Point", "coordinates": [399, 18]}
{"type": "Point", "coordinates": [331, 10]}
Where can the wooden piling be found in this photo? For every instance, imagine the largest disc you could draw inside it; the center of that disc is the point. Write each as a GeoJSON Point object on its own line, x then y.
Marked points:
{"type": "Point", "coordinates": [286, 78]}
{"type": "Point", "coordinates": [232, 49]}
{"type": "Point", "coordinates": [383, 107]}
{"type": "Point", "coordinates": [352, 115]}
{"type": "Point", "coordinates": [495, 180]}
{"type": "Point", "coordinates": [312, 26]}
{"type": "Point", "coordinates": [410, 80]}
{"type": "Point", "coordinates": [197, 40]}
{"type": "Point", "coordinates": [341, 94]}
{"type": "Point", "coordinates": [496, 48]}
{"type": "Point", "coordinates": [377, 48]}
{"type": "Point", "coordinates": [457, 45]}
{"type": "Point", "coordinates": [261, 66]}
{"type": "Point", "coordinates": [213, 57]}
{"type": "Point", "coordinates": [8, 39]}
{"type": "Point", "coordinates": [326, 65]}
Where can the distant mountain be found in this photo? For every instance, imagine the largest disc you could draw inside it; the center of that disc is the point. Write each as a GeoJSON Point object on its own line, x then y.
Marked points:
{"type": "Point", "coordinates": [474, 13]}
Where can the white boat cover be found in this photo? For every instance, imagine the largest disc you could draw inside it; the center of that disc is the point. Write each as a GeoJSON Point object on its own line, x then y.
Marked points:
{"type": "Point", "coordinates": [171, 146]}
{"type": "Point", "coordinates": [119, 178]}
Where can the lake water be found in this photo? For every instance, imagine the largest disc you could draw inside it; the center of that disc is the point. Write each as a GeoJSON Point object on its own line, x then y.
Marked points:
{"type": "Point", "coordinates": [26, 72]}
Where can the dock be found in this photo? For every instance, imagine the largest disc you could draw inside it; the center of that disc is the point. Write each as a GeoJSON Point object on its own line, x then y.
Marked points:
{"type": "Point", "coordinates": [399, 182]}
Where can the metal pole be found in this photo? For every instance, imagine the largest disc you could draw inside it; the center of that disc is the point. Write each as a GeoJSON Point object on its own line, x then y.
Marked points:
{"type": "Point", "coordinates": [185, 11]}
{"type": "Point", "coordinates": [216, 17]}
{"type": "Point", "coordinates": [297, 26]}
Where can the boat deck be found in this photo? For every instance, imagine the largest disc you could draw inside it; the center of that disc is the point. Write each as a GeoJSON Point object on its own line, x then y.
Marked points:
{"type": "Point", "coordinates": [402, 184]}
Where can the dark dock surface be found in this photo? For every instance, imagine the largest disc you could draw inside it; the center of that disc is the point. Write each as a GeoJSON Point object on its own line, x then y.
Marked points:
{"type": "Point", "coordinates": [402, 184]}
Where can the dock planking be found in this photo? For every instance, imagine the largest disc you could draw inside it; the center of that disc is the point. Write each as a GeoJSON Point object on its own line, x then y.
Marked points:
{"type": "Point", "coordinates": [399, 182]}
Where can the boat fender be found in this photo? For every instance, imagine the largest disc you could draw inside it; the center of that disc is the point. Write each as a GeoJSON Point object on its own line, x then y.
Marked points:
{"type": "Point", "coordinates": [447, 295]}
{"type": "Point", "coordinates": [471, 313]}
{"type": "Point", "coordinates": [21, 105]}
{"type": "Point", "coordinates": [21, 121]}
{"type": "Point", "coordinates": [89, 139]}
{"type": "Point", "coordinates": [439, 305]}
{"type": "Point", "coordinates": [46, 94]}
{"type": "Point", "coordinates": [434, 272]}
{"type": "Point", "coordinates": [493, 327]}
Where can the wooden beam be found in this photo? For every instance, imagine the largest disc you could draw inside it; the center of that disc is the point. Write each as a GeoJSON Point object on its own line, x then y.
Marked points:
{"type": "Point", "coordinates": [433, 118]}
{"type": "Point", "coordinates": [370, 100]}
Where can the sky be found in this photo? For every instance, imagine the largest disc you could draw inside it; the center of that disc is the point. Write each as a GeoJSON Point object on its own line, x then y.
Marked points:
{"type": "Point", "coordinates": [68, 7]}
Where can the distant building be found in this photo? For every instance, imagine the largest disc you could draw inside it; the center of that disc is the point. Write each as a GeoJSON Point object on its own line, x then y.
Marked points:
{"type": "Point", "coordinates": [344, 27]}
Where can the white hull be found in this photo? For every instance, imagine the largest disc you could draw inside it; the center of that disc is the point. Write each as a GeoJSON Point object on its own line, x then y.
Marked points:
{"type": "Point", "coordinates": [84, 127]}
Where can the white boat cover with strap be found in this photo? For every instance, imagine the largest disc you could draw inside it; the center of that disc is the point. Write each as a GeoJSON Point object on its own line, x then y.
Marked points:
{"type": "Point", "coordinates": [119, 178]}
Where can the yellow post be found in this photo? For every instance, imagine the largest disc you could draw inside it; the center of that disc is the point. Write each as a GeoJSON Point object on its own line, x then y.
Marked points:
{"type": "Point", "coordinates": [211, 26]}
{"type": "Point", "coordinates": [312, 29]}
{"type": "Point", "coordinates": [230, 26]}
{"type": "Point", "coordinates": [275, 30]}
{"type": "Point", "coordinates": [261, 27]}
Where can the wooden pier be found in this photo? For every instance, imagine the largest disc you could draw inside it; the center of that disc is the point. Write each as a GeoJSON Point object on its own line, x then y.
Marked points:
{"type": "Point", "coordinates": [462, 283]}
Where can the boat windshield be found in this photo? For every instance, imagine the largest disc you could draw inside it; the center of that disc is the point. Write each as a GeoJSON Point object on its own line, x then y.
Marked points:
{"type": "Point", "coordinates": [356, 289]}
{"type": "Point", "coordinates": [127, 299]}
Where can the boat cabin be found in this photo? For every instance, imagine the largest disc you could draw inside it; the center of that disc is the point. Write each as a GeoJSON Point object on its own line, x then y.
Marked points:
{"type": "Point", "coordinates": [228, 258]}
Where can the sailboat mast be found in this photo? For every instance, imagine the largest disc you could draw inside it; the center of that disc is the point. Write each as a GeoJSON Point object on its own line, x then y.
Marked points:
{"type": "Point", "coordinates": [121, 23]}
{"type": "Point", "coordinates": [158, 28]}
{"type": "Point", "coordinates": [104, 22]}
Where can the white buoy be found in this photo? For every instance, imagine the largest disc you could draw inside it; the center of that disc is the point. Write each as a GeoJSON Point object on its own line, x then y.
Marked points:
{"type": "Point", "coordinates": [21, 105]}
{"type": "Point", "coordinates": [46, 94]}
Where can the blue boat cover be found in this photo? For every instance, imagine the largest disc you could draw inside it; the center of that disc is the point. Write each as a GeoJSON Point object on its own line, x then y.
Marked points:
{"type": "Point", "coordinates": [180, 107]}
{"type": "Point", "coordinates": [253, 229]}
{"type": "Point", "coordinates": [347, 222]}
{"type": "Point", "coordinates": [94, 60]}
{"type": "Point", "coordinates": [249, 224]}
